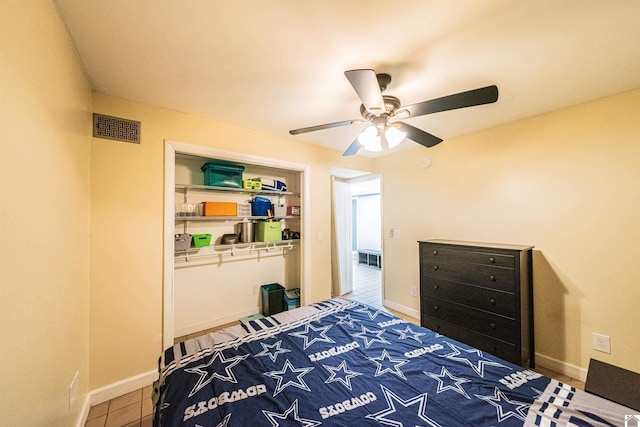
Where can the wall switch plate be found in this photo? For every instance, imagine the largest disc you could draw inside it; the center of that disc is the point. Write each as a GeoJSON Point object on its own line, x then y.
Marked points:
{"type": "Point", "coordinates": [394, 233]}
{"type": "Point", "coordinates": [601, 343]}
{"type": "Point", "coordinates": [414, 291]}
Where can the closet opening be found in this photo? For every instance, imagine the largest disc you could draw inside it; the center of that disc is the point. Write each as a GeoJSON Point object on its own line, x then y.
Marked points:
{"type": "Point", "coordinates": [220, 282]}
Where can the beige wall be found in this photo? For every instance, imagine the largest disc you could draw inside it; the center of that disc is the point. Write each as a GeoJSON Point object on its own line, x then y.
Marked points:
{"type": "Point", "coordinates": [127, 218]}
{"type": "Point", "coordinates": [45, 128]}
{"type": "Point", "coordinates": [567, 182]}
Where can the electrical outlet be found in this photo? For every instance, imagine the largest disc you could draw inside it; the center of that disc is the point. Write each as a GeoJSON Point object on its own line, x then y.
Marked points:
{"type": "Point", "coordinates": [601, 343]}
{"type": "Point", "coordinates": [414, 291]}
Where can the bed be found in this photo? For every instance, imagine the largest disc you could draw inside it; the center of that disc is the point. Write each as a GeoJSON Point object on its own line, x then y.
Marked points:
{"type": "Point", "coordinates": [342, 363]}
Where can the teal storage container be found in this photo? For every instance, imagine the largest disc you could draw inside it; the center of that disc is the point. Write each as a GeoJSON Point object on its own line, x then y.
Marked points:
{"type": "Point", "coordinates": [222, 174]}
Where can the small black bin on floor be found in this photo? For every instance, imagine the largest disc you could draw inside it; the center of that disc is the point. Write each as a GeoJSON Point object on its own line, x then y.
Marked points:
{"type": "Point", "coordinates": [272, 299]}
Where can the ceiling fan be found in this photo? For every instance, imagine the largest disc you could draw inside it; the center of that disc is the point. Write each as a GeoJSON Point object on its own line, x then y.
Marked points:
{"type": "Point", "coordinates": [384, 112]}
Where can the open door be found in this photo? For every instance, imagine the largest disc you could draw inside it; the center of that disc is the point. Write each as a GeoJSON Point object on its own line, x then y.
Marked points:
{"type": "Point", "coordinates": [341, 264]}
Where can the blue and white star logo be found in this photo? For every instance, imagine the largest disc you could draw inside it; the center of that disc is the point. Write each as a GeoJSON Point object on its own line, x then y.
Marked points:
{"type": "Point", "coordinates": [272, 350]}
{"type": "Point", "coordinates": [312, 334]}
{"type": "Point", "coordinates": [371, 336]}
{"type": "Point", "coordinates": [385, 363]}
{"type": "Point", "coordinates": [222, 370]}
{"type": "Point", "coordinates": [505, 407]}
{"type": "Point", "coordinates": [369, 310]}
{"type": "Point", "coordinates": [341, 374]}
{"type": "Point", "coordinates": [289, 376]}
{"type": "Point", "coordinates": [291, 414]}
{"type": "Point", "coordinates": [225, 421]}
{"type": "Point", "coordinates": [400, 412]}
{"type": "Point", "coordinates": [347, 320]}
{"type": "Point", "coordinates": [409, 333]}
{"type": "Point", "coordinates": [446, 381]}
{"type": "Point", "coordinates": [472, 357]}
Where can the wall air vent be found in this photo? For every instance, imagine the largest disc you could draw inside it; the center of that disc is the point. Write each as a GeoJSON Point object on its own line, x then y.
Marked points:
{"type": "Point", "coordinates": [116, 128]}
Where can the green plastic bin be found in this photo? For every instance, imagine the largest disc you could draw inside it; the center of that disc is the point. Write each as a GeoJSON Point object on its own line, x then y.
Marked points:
{"type": "Point", "coordinates": [201, 240]}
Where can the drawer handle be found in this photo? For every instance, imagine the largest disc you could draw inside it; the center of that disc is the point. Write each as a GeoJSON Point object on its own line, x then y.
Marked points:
{"type": "Point", "coordinates": [492, 278]}
{"type": "Point", "coordinates": [436, 287]}
{"type": "Point", "coordinates": [435, 268]}
{"type": "Point", "coordinates": [492, 325]}
{"type": "Point", "coordinates": [435, 252]}
{"type": "Point", "coordinates": [492, 301]}
{"type": "Point", "coordinates": [492, 260]}
{"type": "Point", "coordinates": [436, 308]}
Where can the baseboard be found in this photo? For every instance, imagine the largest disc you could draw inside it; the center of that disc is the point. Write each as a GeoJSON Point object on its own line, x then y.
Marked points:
{"type": "Point", "coordinates": [402, 309]}
{"type": "Point", "coordinates": [111, 391]}
{"type": "Point", "coordinates": [84, 412]}
{"type": "Point", "coordinates": [203, 326]}
{"type": "Point", "coordinates": [565, 368]}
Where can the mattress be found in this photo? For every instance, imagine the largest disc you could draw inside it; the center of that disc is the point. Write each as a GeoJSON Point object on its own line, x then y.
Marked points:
{"type": "Point", "coordinates": [342, 363]}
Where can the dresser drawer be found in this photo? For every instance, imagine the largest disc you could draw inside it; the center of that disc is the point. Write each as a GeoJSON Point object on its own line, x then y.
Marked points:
{"type": "Point", "coordinates": [496, 326]}
{"type": "Point", "coordinates": [487, 276]}
{"type": "Point", "coordinates": [484, 299]}
{"type": "Point", "coordinates": [431, 253]}
{"type": "Point", "coordinates": [491, 345]}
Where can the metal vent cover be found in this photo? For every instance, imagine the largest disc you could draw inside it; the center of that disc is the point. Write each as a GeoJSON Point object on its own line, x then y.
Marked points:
{"type": "Point", "coordinates": [115, 128]}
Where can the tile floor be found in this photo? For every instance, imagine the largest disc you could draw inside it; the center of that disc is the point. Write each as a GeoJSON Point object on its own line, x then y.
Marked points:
{"type": "Point", "coordinates": [367, 285]}
{"type": "Point", "coordinates": [130, 410]}
{"type": "Point", "coordinates": [135, 409]}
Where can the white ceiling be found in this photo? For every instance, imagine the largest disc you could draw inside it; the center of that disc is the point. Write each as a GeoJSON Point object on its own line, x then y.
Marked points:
{"type": "Point", "coordinates": [276, 65]}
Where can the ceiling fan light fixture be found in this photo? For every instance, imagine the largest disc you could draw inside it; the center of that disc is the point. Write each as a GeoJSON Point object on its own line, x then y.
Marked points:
{"type": "Point", "coordinates": [370, 139]}
{"type": "Point", "coordinates": [394, 135]}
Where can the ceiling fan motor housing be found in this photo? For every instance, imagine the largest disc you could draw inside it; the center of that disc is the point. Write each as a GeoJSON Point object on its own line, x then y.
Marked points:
{"type": "Point", "coordinates": [391, 103]}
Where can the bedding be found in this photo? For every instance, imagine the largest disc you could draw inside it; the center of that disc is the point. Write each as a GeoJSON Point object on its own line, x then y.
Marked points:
{"type": "Point", "coordinates": [342, 363]}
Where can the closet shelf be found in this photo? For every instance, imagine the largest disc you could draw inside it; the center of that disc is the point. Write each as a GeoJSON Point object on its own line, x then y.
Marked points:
{"type": "Point", "coordinates": [234, 249]}
{"type": "Point", "coordinates": [234, 190]}
{"type": "Point", "coordinates": [230, 218]}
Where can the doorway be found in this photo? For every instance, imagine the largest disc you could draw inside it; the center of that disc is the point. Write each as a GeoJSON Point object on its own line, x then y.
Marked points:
{"type": "Point", "coordinates": [358, 239]}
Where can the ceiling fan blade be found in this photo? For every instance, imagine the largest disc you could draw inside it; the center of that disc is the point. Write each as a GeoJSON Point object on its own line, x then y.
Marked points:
{"type": "Point", "coordinates": [418, 135]}
{"type": "Point", "coordinates": [353, 148]}
{"type": "Point", "coordinates": [484, 95]}
{"type": "Point", "coordinates": [367, 87]}
{"type": "Point", "coordinates": [325, 126]}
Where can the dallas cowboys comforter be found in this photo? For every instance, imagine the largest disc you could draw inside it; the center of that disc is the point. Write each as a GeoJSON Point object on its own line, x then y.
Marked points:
{"type": "Point", "coordinates": [342, 363]}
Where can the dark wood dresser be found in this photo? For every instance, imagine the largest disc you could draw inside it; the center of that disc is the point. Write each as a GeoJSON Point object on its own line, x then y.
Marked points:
{"type": "Point", "coordinates": [480, 294]}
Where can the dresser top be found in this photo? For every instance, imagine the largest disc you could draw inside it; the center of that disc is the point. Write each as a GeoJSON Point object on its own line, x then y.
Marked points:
{"type": "Point", "coordinates": [479, 244]}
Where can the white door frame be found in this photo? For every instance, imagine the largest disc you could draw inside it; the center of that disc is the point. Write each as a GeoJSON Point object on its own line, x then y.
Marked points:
{"type": "Point", "coordinates": [173, 147]}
